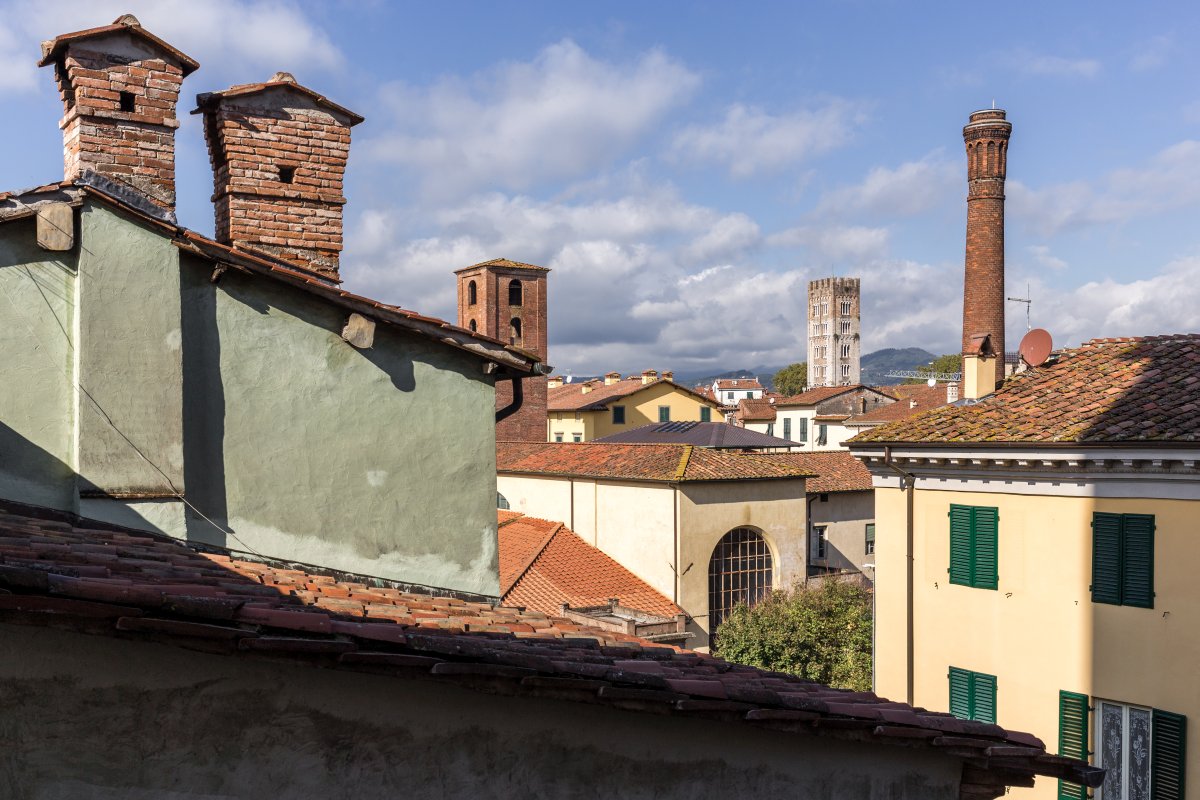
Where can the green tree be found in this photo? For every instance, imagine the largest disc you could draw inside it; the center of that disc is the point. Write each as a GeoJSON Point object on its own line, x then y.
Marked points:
{"type": "Point", "coordinates": [791, 379]}
{"type": "Point", "coordinates": [820, 632]}
{"type": "Point", "coordinates": [951, 362]}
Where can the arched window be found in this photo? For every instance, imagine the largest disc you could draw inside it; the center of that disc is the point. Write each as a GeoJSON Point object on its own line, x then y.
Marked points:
{"type": "Point", "coordinates": [514, 293]}
{"type": "Point", "coordinates": [473, 326]}
{"type": "Point", "coordinates": [472, 294]}
{"type": "Point", "coordinates": [738, 572]}
{"type": "Point", "coordinates": [502, 501]}
{"type": "Point", "coordinates": [514, 331]}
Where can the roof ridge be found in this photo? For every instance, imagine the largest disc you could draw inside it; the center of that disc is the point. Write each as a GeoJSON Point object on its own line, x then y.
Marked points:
{"type": "Point", "coordinates": [558, 526]}
{"type": "Point", "coordinates": [684, 458]}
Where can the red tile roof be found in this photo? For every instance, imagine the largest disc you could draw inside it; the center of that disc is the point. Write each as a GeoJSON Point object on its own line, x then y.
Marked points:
{"type": "Point", "coordinates": [126, 23]}
{"type": "Point", "coordinates": [720, 435]}
{"type": "Point", "coordinates": [913, 399]}
{"type": "Point", "coordinates": [1106, 391]}
{"type": "Point", "coordinates": [811, 397]}
{"type": "Point", "coordinates": [502, 262]}
{"type": "Point", "coordinates": [744, 384]}
{"type": "Point", "coordinates": [756, 410]}
{"type": "Point", "coordinates": [544, 564]}
{"type": "Point", "coordinates": [118, 582]}
{"type": "Point", "coordinates": [281, 80]}
{"type": "Point", "coordinates": [571, 397]}
{"type": "Point", "coordinates": [639, 462]}
{"type": "Point", "coordinates": [835, 470]}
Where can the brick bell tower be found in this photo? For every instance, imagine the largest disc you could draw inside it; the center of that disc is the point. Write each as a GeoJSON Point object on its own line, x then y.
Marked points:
{"type": "Point", "coordinates": [986, 136]}
{"type": "Point", "coordinates": [506, 300]}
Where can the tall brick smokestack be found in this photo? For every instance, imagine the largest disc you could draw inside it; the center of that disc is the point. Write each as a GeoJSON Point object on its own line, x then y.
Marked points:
{"type": "Point", "coordinates": [279, 152]}
{"type": "Point", "coordinates": [986, 137]}
{"type": "Point", "coordinates": [119, 86]}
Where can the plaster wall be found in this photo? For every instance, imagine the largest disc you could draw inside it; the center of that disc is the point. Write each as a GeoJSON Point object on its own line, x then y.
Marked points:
{"type": "Point", "coordinates": [709, 510]}
{"type": "Point", "coordinates": [379, 461]}
{"type": "Point", "coordinates": [835, 433]}
{"type": "Point", "coordinates": [641, 408]}
{"type": "Point", "coordinates": [123, 719]}
{"type": "Point", "coordinates": [846, 515]}
{"type": "Point", "coordinates": [565, 424]}
{"type": "Point", "coordinates": [1039, 632]}
{"type": "Point", "coordinates": [37, 399]}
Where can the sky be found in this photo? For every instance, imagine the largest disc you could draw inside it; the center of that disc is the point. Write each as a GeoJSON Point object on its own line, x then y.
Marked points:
{"type": "Point", "coordinates": [684, 169]}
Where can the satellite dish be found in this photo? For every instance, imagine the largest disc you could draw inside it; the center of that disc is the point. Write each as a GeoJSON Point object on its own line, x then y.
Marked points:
{"type": "Point", "coordinates": [931, 382]}
{"type": "Point", "coordinates": [1035, 347]}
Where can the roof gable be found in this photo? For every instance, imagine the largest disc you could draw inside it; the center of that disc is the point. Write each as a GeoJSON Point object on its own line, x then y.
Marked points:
{"type": "Point", "coordinates": [659, 463]}
{"type": "Point", "coordinates": [125, 25]}
{"type": "Point", "coordinates": [571, 397]}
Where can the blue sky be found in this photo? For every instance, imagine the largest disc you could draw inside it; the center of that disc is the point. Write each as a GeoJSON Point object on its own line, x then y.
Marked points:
{"type": "Point", "coordinates": [685, 169]}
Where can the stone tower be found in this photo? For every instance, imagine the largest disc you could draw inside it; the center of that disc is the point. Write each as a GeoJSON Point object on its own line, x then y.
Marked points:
{"type": "Point", "coordinates": [278, 151]}
{"type": "Point", "coordinates": [506, 300]}
{"type": "Point", "coordinates": [986, 136]}
{"type": "Point", "coordinates": [834, 332]}
{"type": "Point", "coordinates": [119, 86]}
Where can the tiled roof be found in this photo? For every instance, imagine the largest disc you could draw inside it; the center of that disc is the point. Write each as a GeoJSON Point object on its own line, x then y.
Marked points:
{"type": "Point", "coordinates": [702, 434]}
{"type": "Point", "coordinates": [571, 397]}
{"type": "Point", "coordinates": [139, 586]}
{"type": "Point", "coordinates": [544, 564]}
{"type": "Point", "coordinates": [814, 396]}
{"type": "Point", "coordinates": [639, 462]}
{"type": "Point", "coordinates": [756, 410]}
{"type": "Point", "coordinates": [913, 399]}
{"type": "Point", "coordinates": [502, 262]}
{"type": "Point", "coordinates": [743, 384]}
{"type": "Point", "coordinates": [1106, 391]}
{"type": "Point", "coordinates": [18, 205]}
{"type": "Point", "coordinates": [127, 23]}
{"type": "Point", "coordinates": [835, 470]}
{"type": "Point", "coordinates": [281, 80]}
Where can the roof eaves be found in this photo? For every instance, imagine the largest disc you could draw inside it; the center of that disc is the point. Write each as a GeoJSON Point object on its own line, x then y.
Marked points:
{"type": "Point", "coordinates": [541, 548]}
{"type": "Point", "coordinates": [209, 100]}
{"type": "Point", "coordinates": [52, 48]}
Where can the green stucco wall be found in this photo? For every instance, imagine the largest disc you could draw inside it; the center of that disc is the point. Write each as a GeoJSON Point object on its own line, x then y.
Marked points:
{"type": "Point", "coordinates": [37, 298]}
{"type": "Point", "coordinates": [291, 442]}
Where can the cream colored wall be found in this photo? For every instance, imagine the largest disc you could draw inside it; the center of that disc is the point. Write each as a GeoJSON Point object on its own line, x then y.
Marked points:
{"type": "Point", "coordinates": [836, 433]}
{"type": "Point", "coordinates": [846, 515]}
{"type": "Point", "coordinates": [1040, 633]}
{"type": "Point", "coordinates": [641, 408]}
{"type": "Point", "coordinates": [710, 510]}
{"type": "Point", "coordinates": [564, 422]}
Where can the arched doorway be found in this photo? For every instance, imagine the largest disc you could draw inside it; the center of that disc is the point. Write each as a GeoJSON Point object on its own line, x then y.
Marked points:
{"type": "Point", "coordinates": [740, 571]}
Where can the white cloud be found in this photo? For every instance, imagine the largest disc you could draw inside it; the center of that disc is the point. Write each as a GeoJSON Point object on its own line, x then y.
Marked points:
{"type": "Point", "coordinates": [852, 243]}
{"type": "Point", "coordinates": [561, 115]}
{"type": "Point", "coordinates": [1152, 53]}
{"type": "Point", "coordinates": [749, 140]}
{"type": "Point", "coordinates": [236, 40]}
{"type": "Point", "coordinates": [1042, 256]}
{"type": "Point", "coordinates": [1054, 66]}
{"type": "Point", "coordinates": [909, 189]}
{"type": "Point", "coordinates": [1169, 181]}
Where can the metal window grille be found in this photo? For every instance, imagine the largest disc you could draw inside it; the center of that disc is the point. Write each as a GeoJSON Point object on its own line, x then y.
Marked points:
{"type": "Point", "coordinates": [739, 571]}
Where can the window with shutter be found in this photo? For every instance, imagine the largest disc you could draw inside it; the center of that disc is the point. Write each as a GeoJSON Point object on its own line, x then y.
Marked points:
{"type": "Point", "coordinates": [803, 429]}
{"type": "Point", "coordinates": [1168, 746]}
{"type": "Point", "coordinates": [1142, 751]}
{"type": "Point", "coordinates": [974, 546]}
{"type": "Point", "coordinates": [705, 414]}
{"type": "Point", "coordinates": [972, 695]}
{"type": "Point", "coordinates": [787, 427]}
{"type": "Point", "coordinates": [1123, 559]}
{"type": "Point", "coordinates": [1072, 738]}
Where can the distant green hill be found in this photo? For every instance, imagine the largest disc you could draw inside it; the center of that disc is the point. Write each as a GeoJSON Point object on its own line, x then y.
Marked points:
{"type": "Point", "coordinates": [876, 366]}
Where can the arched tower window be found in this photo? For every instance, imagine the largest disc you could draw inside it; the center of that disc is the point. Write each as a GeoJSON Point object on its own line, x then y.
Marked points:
{"type": "Point", "coordinates": [514, 331]}
{"type": "Point", "coordinates": [740, 571]}
{"type": "Point", "coordinates": [472, 294]}
{"type": "Point", "coordinates": [514, 293]}
{"type": "Point", "coordinates": [474, 328]}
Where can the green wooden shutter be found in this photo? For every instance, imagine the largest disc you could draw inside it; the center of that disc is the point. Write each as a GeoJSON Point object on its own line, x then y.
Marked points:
{"type": "Point", "coordinates": [984, 546]}
{"type": "Point", "coordinates": [1072, 738]}
{"type": "Point", "coordinates": [983, 697]}
{"type": "Point", "coordinates": [803, 429]}
{"type": "Point", "coordinates": [1106, 558]}
{"type": "Point", "coordinates": [1137, 557]}
{"type": "Point", "coordinates": [705, 414]}
{"type": "Point", "coordinates": [960, 693]}
{"type": "Point", "coordinates": [960, 545]}
{"type": "Point", "coordinates": [1168, 748]}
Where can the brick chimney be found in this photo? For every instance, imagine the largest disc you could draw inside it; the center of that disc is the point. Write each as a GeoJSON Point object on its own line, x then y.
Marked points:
{"type": "Point", "coordinates": [278, 153]}
{"type": "Point", "coordinates": [986, 136]}
{"type": "Point", "coordinates": [119, 86]}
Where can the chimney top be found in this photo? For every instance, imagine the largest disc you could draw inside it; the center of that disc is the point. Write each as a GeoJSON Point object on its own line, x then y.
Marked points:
{"type": "Point", "coordinates": [283, 77]}
{"type": "Point", "coordinates": [127, 19]}
{"type": "Point", "coordinates": [127, 25]}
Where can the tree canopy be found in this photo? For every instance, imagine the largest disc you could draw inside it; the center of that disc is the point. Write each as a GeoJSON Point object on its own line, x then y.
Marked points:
{"type": "Point", "coordinates": [821, 632]}
{"type": "Point", "coordinates": [791, 379]}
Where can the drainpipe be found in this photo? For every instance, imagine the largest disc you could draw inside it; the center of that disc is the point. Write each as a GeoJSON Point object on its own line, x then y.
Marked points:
{"type": "Point", "coordinates": [518, 398]}
{"type": "Point", "coordinates": [907, 481]}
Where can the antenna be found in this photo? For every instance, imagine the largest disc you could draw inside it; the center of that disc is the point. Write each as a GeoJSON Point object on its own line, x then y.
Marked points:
{"type": "Point", "coordinates": [1028, 301]}
{"type": "Point", "coordinates": [993, 104]}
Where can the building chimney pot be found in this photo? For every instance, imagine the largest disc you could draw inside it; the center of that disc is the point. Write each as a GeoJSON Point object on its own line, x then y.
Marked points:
{"type": "Point", "coordinates": [611, 377]}
{"type": "Point", "coordinates": [554, 382]}
{"type": "Point", "coordinates": [649, 376]}
{"type": "Point", "coordinates": [668, 376]}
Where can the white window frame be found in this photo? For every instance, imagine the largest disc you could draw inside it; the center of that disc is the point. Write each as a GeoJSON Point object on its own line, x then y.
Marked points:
{"type": "Point", "coordinates": [820, 542]}
{"type": "Point", "coordinates": [1125, 745]}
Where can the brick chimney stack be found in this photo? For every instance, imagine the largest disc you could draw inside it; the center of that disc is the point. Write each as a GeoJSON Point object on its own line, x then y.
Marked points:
{"type": "Point", "coordinates": [986, 136]}
{"type": "Point", "coordinates": [119, 86]}
{"type": "Point", "coordinates": [278, 153]}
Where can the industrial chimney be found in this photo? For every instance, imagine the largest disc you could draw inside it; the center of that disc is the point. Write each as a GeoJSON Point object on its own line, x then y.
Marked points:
{"type": "Point", "coordinates": [986, 136]}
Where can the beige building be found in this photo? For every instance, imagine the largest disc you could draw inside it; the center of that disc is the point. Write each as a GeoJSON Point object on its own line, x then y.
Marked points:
{"type": "Point", "coordinates": [1037, 559]}
{"type": "Point", "coordinates": [706, 528]}
{"type": "Point", "coordinates": [581, 412]}
{"type": "Point", "coordinates": [817, 418]}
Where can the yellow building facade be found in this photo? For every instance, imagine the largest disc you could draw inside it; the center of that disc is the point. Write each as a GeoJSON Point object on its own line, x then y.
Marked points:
{"type": "Point", "coordinates": [581, 412]}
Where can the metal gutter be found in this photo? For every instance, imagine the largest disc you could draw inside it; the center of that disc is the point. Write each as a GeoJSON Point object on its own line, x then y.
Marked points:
{"type": "Point", "coordinates": [907, 482]}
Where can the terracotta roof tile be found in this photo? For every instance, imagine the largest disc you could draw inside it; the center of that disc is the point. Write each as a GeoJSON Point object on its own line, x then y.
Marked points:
{"type": "Point", "coordinates": [813, 396]}
{"type": "Point", "coordinates": [127, 23]}
{"type": "Point", "coordinates": [639, 462]}
{"type": "Point", "coordinates": [103, 580]}
{"type": "Point", "coordinates": [741, 384]}
{"type": "Point", "coordinates": [913, 399]}
{"type": "Point", "coordinates": [720, 435]}
{"type": "Point", "coordinates": [756, 410]}
{"type": "Point", "coordinates": [502, 262]}
{"type": "Point", "coordinates": [209, 100]}
{"type": "Point", "coordinates": [1140, 389]}
{"type": "Point", "coordinates": [544, 564]}
{"type": "Point", "coordinates": [571, 397]}
{"type": "Point", "coordinates": [835, 470]}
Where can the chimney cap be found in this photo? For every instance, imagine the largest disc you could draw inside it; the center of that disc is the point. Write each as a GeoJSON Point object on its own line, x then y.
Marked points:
{"type": "Point", "coordinates": [52, 49]}
{"type": "Point", "coordinates": [208, 101]}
